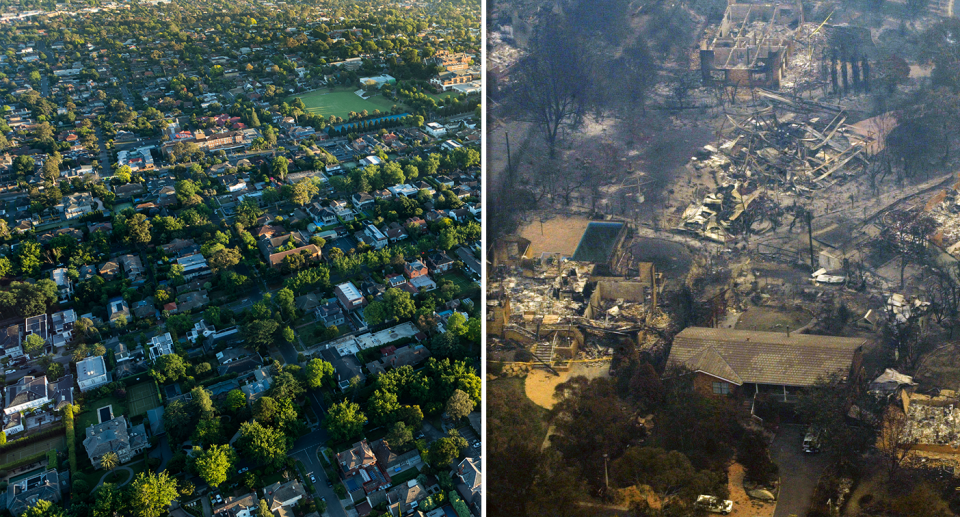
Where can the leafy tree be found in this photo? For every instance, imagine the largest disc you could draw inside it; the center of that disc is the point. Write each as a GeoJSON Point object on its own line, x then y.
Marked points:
{"type": "Point", "coordinates": [264, 509]}
{"type": "Point", "coordinates": [109, 461]}
{"type": "Point", "coordinates": [459, 405]}
{"type": "Point", "coordinates": [303, 191]}
{"type": "Point", "coordinates": [259, 333]}
{"type": "Point", "coordinates": [382, 406]}
{"type": "Point", "coordinates": [170, 367]}
{"type": "Point", "coordinates": [179, 420]}
{"type": "Point", "coordinates": [344, 421]}
{"type": "Point", "coordinates": [669, 473]}
{"type": "Point", "coordinates": [265, 445]}
{"type": "Point", "coordinates": [285, 301]}
{"type": "Point", "coordinates": [44, 508]}
{"type": "Point", "coordinates": [286, 385]}
{"type": "Point", "coordinates": [442, 452]}
{"type": "Point", "coordinates": [399, 435]}
{"type": "Point", "coordinates": [33, 344]}
{"type": "Point", "coordinates": [201, 402]}
{"type": "Point", "coordinates": [236, 400]}
{"type": "Point", "coordinates": [375, 312]}
{"type": "Point", "coordinates": [109, 501]}
{"type": "Point", "coordinates": [214, 464]}
{"type": "Point", "coordinates": [317, 373]}
{"type": "Point", "coordinates": [399, 303]}
{"type": "Point", "coordinates": [152, 493]}
{"type": "Point", "coordinates": [224, 259]}
{"type": "Point", "coordinates": [28, 256]}
{"type": "Point", "coordinates": [279, 167]}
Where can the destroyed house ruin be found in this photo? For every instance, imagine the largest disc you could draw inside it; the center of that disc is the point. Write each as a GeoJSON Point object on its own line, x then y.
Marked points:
{"type": "Point", "coordinates": [752, 44]}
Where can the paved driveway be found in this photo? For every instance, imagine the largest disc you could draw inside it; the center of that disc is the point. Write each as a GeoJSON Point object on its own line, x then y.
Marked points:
{"type": "Point", "coordinates": [799, 472]}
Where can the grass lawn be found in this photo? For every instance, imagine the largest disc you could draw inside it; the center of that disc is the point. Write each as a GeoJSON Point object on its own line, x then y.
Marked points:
{"type": "Point", "coordinates": [466, 285]}
{"type": "Point", "coordinates": [402, 477]}
{"type": "Point", "coordinates": [56, 442]}
{"type": "Point", "coordinates": [89, 416]}
{"type": "Point", "coordinates": [341, 101]}
{"type": "Point", "coordinates": [142, 398]}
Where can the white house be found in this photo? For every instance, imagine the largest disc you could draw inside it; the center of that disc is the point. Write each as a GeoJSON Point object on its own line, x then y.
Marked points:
{"type": "Point", "coordinates": [434, 129]}
{"type": "Point", "coordinates": [92, 373]}
{"type": "Point", "coordinates": [160, 345]}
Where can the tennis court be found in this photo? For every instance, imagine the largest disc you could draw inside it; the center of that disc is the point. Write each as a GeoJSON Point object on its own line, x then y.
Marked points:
{"type": "Point", "coordinates": [142, 398]}
{"type": "Point", "coordinates": [56, 442]}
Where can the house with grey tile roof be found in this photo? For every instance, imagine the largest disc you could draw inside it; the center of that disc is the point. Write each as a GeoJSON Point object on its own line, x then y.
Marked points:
{"type": "Point", "coordinates": [25, 493]}
{"type": "Point", "coordinates": [281, 495]}
{"type": "Point", "coordinates": [724, 361]}
{"type": "Point", "coordinates": [116, 436]}
{"type": "Point", "coordinates": [32, 392]}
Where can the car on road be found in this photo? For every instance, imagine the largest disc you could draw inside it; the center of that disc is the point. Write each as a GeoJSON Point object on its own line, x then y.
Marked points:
{"type": "Point", "coordinates": [713, 504]}
{"type": "Point", "coordinates": [312, 478]}
{"type": "Point", "coordinates": [218, 499]}
{"type": "Point", "coordinates": [329, 483]}
{"type": "Point", "coordinates": [476, 445]}
{"type": "Point", "coordinates": [244, 469]}
{"type": "Point", "coordinates": [8, 372]}
{"type": "Point", "coordinates": [419, 436]}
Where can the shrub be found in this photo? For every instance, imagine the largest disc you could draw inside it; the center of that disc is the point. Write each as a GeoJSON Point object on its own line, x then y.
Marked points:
{"type": "Point", "coordinates": [340, 490]}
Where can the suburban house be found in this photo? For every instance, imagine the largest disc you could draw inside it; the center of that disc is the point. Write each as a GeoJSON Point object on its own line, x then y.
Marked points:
{"type": "Point", "coordinates": [434, 129]}
{"type": "Point", "coordinates": [349, 296]}
{"type": "Point", "coordinates": [76, 205]}
{"type": "Point", "coordinates": [194, 266]}
{"type": "Point", "coordinates": [116, 436]}
{"type": "Point", "coordinates": [372, 236]}
{"type": "Point", "coordinates": [116, 308]}
{"type": "Point", "coordinates": [31, 392]}
{"type": "Point", "coordinates": [439, 263]}
{"type": "Point", "coordinates": [109, 270]}
{"type": "Point", "coordinates": [726, 361]}
{"type": "Point", "coordinates": [404, 499]}
{"type": "Point", "coordinates": [10, 345]}
{"type": "Point", "coordinates": [362, 200]}
{"type": "Point", "coordinates": [471, 481]}
{"type": "Point", "coordinates": [24, 494]}
{"type": "Point", "coordinates": [330, 314]}
{"type": "Point", "coordinates": [393, 357]}
{"type": "Point", "coordinates": [132, 266]}
{"type": "Point", "coordinates": [415, 269]}
{"type": "Point", "coordinates": [160, 345]}
{"type": "Point", "coordinates": [262, 381]}
{"type": "Point", "coordinates": [360, 471]}
{"type": "Point", "coordinates": [92, 373]}
{"type": "Point", "coordinates": [64, 283]}
{"type": "Point", "coordinates": [283, 495]}
{"type": "Point", "coordinates": [239, 506]}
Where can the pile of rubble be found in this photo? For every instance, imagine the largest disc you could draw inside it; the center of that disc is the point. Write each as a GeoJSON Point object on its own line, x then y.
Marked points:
{"type": "Point", "coordinates": [933, 425]}
{"type": "Point", "coordinates": [712, 218]}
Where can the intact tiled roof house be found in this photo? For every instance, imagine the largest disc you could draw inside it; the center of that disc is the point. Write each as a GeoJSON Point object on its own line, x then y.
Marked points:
{"type": "Point", "coordinates": [25, 493]}
{"type": "Point", "coordinates": [725, 361]}
{"type": "Point", "coordinates": [115, 436]}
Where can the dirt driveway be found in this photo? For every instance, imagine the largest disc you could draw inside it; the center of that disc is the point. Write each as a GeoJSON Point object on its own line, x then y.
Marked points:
{"type": "Point", "coordinates": [799, 472]}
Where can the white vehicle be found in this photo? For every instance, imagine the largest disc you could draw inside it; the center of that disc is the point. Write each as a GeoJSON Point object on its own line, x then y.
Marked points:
{"type": "Point", "coordinates": [811, 441]}
{"type": "Point", "coordinates": [714, 504]}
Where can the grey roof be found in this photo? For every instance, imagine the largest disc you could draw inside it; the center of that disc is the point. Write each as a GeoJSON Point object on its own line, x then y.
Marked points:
{"type": "Point", "coordinates": [91, 367]}
{"type": "Point", "coordinates": [744, 356]}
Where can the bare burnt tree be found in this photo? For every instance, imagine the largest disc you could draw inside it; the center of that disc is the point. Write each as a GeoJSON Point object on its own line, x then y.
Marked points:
{"type": "Point", "coordinates": [907, 232]}
{"type": "Point", "coordinates": [893, 440]}
{"type": "Point", "coordinates": [554, 82]}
